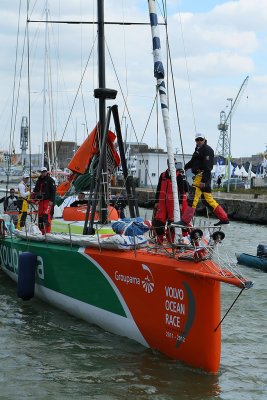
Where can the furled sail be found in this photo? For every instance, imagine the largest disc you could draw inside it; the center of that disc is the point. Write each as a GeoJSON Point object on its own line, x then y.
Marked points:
{"type": "Point", "coordinates": [81, 163]}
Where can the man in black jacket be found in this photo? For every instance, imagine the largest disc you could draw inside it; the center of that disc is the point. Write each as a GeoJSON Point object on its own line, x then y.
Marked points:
{"type": "Point", "coordinates": [201, 165]}
{"type": "Point", "coordinates": [44, 192]}
{"type": "Point", "coordinates": [11, 206]}
{"type": "Point", "coordinates": [119, 202]}
{"type": "Point", "coordinates": [80, 201]}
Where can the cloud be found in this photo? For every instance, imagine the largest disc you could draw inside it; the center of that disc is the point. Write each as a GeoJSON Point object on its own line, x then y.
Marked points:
{"type": "Point", "coordinates": [212, 53]}
{"type": "Point", "coordinates": [216, 64]}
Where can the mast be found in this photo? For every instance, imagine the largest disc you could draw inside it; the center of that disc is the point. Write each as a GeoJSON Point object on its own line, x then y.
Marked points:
{"type": "Point", "coordinates": [102, 105]}
{"type": "Point", "coordinates": [159, 75]}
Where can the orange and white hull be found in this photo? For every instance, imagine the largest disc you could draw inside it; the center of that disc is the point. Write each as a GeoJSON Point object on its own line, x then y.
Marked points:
{"type": "Point", "coordinates": [169, 304]}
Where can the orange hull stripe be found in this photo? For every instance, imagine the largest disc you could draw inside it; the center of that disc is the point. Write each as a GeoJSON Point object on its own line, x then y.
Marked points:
{"type": "Point", "coordinates": [78, 213]}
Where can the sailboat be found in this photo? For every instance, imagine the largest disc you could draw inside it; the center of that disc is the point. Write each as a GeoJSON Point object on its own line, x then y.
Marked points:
{"type": "Point", "coordinates": [166, 297]}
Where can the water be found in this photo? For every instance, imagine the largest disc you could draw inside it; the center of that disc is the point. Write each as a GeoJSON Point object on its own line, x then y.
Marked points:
{"type": "Point", "coordinates": [47, 354]}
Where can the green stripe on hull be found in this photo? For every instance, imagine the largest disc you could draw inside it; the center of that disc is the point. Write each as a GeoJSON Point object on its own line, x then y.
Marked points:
{"type": "Point", "coordinates": [64, 227]}
{"type": "Point", "coordinates": [63, 269]}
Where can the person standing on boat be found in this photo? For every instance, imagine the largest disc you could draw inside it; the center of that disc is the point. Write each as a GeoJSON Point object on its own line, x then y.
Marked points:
{"type": "Point", "coordinates": [23, 199]}
{"type": "Point", "coordinates": [119, 202]}
{"type": "Point", "coordinates": [219, 181]}
{"type": "Point", "coordinates": [44, 192]}
{"type": "Point", "coordinates": [201, 165]}
{"type": "Point", "coordinates": [80, 200]}
{"type": "Point", "coordinates": [164, 205]}
{"type": "Point", "coordinates": [11, 206]}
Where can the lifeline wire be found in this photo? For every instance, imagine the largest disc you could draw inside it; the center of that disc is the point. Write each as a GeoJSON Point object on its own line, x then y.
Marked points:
{"type": "Point", "coordinates": [228, 310]}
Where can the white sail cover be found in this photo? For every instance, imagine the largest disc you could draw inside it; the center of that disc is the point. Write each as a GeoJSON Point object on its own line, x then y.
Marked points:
{"type": "Point", "coordinates": [112, 242]}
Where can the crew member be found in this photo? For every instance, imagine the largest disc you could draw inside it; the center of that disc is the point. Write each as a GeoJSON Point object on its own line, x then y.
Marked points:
{"type": "Point", "coordinates": [119, 202]}
{"type": "Point", "coordinates": [201, 165]}
{"type": "Point", "coordinates": [80, 201]}
{"type": "Point", "coordinates": [44, 192]}
{"type": "Point", "coordinates": [219, 181]}
{"type": "Point", "coordinates": [23, 199]}
{"type": "Point", "coordinates": [11, 206]}
{"type": "Point", "coordinates": [164, 204]}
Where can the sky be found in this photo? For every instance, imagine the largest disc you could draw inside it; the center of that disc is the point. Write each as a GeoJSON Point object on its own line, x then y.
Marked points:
{"type": "Point", "coordinates": [214, 46]}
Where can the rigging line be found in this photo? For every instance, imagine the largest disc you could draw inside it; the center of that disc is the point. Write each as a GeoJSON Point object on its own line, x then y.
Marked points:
{"type": "Point", "coordinates": [126, 106]}
{"type": "Point", "coordinates": [164, 15]}
{"type": "Point", "coordinates": [157, 121]}
{"type": "Point", "coordinates": [150, 114]}
{"type": "Point", "coordinates": [60, 78]}
{"type": "Point", "coordinates": [92, 22]}
{"type": "Point", "coordinates": [241, 291]}
{"type": "Point", "coordinates": [125, 56]}
{"type": "Point", "coordinates": [76, 95]}
{"type": "Point", "coordinates": [82, 95]}
{"type": "Point", "coordinates": [29, 91]}
{"type": "Point", "coordinates": [175, 97]}
{"type": "Point", "coordinates": [94, 73]}
{"type": "Point", "coordinates": [122, 93]}
{"type": "Point", "coordinates": [14, 84]}
{"type": "Point", "coordinates": [33, 7]}
{"type": "Point", "coordinates": [44, 109]}
{"type": "Point", "coordinates": [50, 96]}
{"type": "Point", "coordinates": [173, 85]}
{"type": "Point", "coordinates": [164, 7]}
{"type": "Point", "coordinates": [123, 96]}
{"type": "Point", "coordinates": [19, 85]}
{"type": "Point", "coordinates": [172, 75]}
{"type": "Point", "coordinates": [56, 39]}
{"type": "Point", "coordinates": [84, 110]}
{"type": "Point", "coordinates": [51, 103]}
{"type": "Point", "coordinates": [159, 8]}
{"type": "Point", "coordinates": [187, 71]}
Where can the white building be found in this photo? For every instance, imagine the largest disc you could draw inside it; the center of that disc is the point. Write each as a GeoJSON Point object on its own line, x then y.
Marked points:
{"type": "Point", "coordinates": [150, 165]}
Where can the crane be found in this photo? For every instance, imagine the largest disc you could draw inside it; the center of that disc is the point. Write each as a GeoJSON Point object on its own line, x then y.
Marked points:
{"type": "Point", "coordinates": [223, 146]}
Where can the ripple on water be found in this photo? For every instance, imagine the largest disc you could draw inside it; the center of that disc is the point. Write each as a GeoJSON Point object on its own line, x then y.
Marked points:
{"type": "Point", "coordinates": [49, 354]}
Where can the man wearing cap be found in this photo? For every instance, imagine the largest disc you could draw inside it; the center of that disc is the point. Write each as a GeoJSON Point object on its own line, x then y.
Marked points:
{"type": "Point", "coordinates": [201, 165]}
{"type": "Point", "coordinates": [44, 192]}
{"type": "Point", "coordinates": [23, 198]}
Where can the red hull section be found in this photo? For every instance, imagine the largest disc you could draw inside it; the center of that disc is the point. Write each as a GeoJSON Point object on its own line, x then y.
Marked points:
{"type": "Point", "coordinates": [176, 313]}
{"type": "Point", "coordinates": [78, 213]}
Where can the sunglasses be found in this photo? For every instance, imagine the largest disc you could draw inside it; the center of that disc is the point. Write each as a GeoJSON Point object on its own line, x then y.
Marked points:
{"type": "Point", "coordinates": [199, 140]}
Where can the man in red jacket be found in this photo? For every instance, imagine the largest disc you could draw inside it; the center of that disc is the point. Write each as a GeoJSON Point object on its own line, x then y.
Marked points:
{"type": "Point", "coordinates": [164, 204]}
{"type": "Point", "coordinates": [44, 192]}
